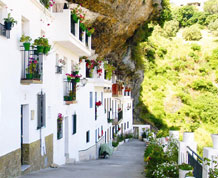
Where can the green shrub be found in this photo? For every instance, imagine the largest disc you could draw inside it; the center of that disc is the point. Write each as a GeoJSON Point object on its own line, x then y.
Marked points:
{"type": "Point", "coordinates": [196, 47]}
{"type": "Point", "coordinates": [211, 18]}
{"type": "Point", "coordinates": [171, 28]}
{"type": "Point", "coordinates": [192, 33]}
{"type": "Point", "coordinates": [162, 133]}
{"type": "Point", "coordinates": [204, 85]}
{"type": "Point", "coordinates": [213, 26]}
{"type": "Point", "coordinates": [211, 7]}
{"type": "Point", "coordinates": [115, 144]}
{"type": "Point", "coordinates": [161, 52]}
{"type": "Point", "coordinates": [184, 166]}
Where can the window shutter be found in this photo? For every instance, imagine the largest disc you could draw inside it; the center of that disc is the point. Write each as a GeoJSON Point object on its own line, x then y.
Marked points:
{"type": "Point", "coordinates": [39, 112]}
{"type": "Point", "coordinates": [41, 107]}
{"type": "Point", "coordinates": [74, 123]}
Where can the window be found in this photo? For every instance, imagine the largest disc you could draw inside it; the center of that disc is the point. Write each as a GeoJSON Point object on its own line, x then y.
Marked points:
{"type": "Point", "coordinates": [105, 105]}
{"type": "Point", "coordinates": [87, 136]}
{"type": "Point", "coordinates": [41, 108]}
{"type": "Point", "coordinates": [96, 135]}
{"type": "Point", "coordinates": [127, 125]}
{"type": "Point", "coordinates": [91, 100]}
{"type": "Point", "coordinates": [102, 131]}
{"type": "Point", "coordinates": [102, 97]}
{"type": "Point", "coordinates": [96, 97]}
{"type": "Point", "coordinates": [74, 123]}
{"type": "Point", "coordinates": [60, 128]}
{"type": "Point", "coordinates": [124, 126]}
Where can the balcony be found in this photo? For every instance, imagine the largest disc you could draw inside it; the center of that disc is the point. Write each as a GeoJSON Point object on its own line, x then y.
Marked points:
{"type": "Point", "coordinates": [70, 94]}
{"type": "Point", "coordinates": [4, 32]}
{"type": "Point", "coordinates": [32, 70]}
{"type": "Point", "coordinates": [70, 35]}
{"type": "Point", "coordinates": [94, 78]}
{"type": "Point", "coordinates": [117, 90]}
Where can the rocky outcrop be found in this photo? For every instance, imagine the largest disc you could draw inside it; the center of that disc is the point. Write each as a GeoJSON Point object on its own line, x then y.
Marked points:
{"type": "Point", "coordinates": [116, 21]}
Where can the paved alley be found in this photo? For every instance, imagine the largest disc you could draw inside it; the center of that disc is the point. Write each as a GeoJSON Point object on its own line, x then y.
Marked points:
{"type": "Point", "coordinates": [126, 162]}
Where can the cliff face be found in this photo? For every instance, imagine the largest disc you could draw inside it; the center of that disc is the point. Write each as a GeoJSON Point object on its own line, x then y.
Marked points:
{"type": "Point", "coordinates": [116, 22]}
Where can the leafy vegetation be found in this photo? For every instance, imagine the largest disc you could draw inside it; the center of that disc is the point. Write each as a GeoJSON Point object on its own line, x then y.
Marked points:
{"type": "Point", "coordinates": [180, 84]}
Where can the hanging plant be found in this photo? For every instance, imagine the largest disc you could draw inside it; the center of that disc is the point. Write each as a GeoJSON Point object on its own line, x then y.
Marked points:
{"type": "Point", "coordinates": [109, 70]}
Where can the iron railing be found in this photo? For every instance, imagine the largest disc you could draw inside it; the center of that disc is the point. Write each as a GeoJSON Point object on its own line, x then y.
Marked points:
{"type": "Point", "coordinates": [196, 162]}
{"type": "Point", "coordinates": [70, 91]}
{"type": "Point", "coordinates": [32, 63]}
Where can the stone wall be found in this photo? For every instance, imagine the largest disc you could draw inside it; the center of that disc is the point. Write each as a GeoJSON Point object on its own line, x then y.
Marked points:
{"type": "Point", "coordinates": [13, 161]}
{"type": "Point", "coordinates": [32, 155]}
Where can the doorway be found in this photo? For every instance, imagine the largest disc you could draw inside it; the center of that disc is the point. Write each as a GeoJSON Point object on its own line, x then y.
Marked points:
{"type": "Point", "coordinates": [22, 136]}
{"type": "Point", "coordinates": [66, 138]}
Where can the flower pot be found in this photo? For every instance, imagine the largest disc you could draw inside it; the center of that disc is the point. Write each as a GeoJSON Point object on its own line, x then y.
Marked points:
{"type": "Point", "coordinates": [74, 18]}
{"type": "Point", "coordinates": [188, 137]}
{"type": "Point", "coordinates": [8, 25]}
{"type": "Point", "coordinates": [36, 76]}
{"type": "Point", "coordinates": [174, 134]}
{"type": "Point", "coordinates": [40, 49]}
{"type": "Point", "coordinates": [29, 76]}
{"type": "Point", "coordinates": [26, 46]}
{"type": "Point", "coordinates": [70, 98]}
{"type": "Point", "coordinates": [215, 140]}
{"type": "Point", "coordinates": [182, 173]}
{"type": "Point", "coordinates": [46, 49]}
{"type": "Point", "coordinates": [66, 98]}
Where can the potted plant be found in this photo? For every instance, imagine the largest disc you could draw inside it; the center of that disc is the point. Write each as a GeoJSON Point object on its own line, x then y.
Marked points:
{"type": "Point", "coordinates": [26, 42]}
{"type": "Point", "coordinates": [39, 45]}
{"type": "Point", "coordinates": [42, 45]}
{"type": "Point", "coordinates": [9, 22]}
{"type": "Point", "coordinates": [184, 169]}
{"type": "Point", "coordinates": [31, 69]}
{"type": "Point", "coordinates": [82, 26]}
{"type": "Point", "coordinates": [215, 140]}
{"type": "Point", "coordinates": [90, 31]}
{"type": "Point", "coordinates": [189, 175]}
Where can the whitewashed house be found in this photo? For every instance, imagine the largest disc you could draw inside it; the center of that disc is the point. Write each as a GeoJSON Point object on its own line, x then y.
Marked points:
{"type": "Point", "coordinates": [32, 133]}
{"type": "Point", "coordinates": [197, 3]}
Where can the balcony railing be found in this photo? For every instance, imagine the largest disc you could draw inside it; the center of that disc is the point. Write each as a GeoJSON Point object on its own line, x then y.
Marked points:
{"type": "Point", "coordinates": [32, 69]}
{"type": "Point", "coordinates": [70, 97]}
{"type": "Point", "coordinates": [4, 32]}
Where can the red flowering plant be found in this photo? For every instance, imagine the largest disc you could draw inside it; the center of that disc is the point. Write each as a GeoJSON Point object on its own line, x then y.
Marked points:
{"type": "Point", "coordinates": [98, 103]}
{"type": "Point", "coordinates": [75, 77]}
{"type": "Point", "coordinates": [47, 3]}
{"type": "Point", "coordinates": [99, 68]}
{"type": "Point", "coordinates": [90, 31]}
{"type": "Point", "coordinates": [78, 14]}
{"type": "Point", "coordinates": [119, 109]}
{"type": "Point", "coordinates": [81, 59]}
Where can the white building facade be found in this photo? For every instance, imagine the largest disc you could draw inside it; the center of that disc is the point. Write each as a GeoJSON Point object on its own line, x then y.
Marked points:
{"type": "Point", "coordinates": [32, 135]}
